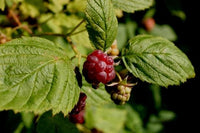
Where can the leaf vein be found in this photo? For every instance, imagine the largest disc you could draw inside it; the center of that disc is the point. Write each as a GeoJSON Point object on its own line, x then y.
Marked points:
{"type": "Point", "coordinates": [156, 70]}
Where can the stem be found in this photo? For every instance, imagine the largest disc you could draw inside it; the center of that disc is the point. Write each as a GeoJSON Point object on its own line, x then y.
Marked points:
{"type": "Point", "coordinates": [72, 45]}
{"type": "Point", "coordinates": [120, 79]}
{"type": "Point", "coordinates": [75, 28]}
{"type": "Point", "coordinates": [24, 27]}
{"type": "Point", "coordinates": [67, 36]}
{"type": "Point", "coordinates": [14, 16]}
{"type": "Point", "coordinates": [16, 19]}
{"type": "Point", "coordinates": [82, 56]}
{"type": "Point", "coordinates": [50, 34]}
{"type": "Point", "coordinates": [78, 32]}
{"type": "Point", "coordinates": [71, 33]}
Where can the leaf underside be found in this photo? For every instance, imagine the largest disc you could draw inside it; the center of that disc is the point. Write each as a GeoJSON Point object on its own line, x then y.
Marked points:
{"type": "Point", "coordinates": [132, 5]}
{"type": "Point", "coordinates": [36, 75]}
{"type": "Point", "coordinates": [101, 23]}
{"type": "Point", "coordinates": [157, 60]}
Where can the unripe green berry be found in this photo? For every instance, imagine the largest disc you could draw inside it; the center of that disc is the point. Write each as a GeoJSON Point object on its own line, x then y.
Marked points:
{"type": "Point", "coordinates": [120, 97]}
{"type": "Point", "coordinates": [114, 96]}
{"type": "Point", "coordinates": [122, 102]}
{"type": "Point", "coordinates": [120, 87]}
{"type": "Point", "coordinates": [120, 91]}
{"type": "Point", "coordinates": [124, 98]}
{"type": "Point", "coordinates": [128, 90]}
{"type": "Point", "coordinates": [128, 96]}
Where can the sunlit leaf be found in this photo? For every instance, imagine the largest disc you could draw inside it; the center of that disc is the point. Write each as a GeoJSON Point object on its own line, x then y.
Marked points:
{"type": "Point", "coordinates": [157, 60]}
{"type": "Point", "coordinates": [101, 23]}
{"type": "Point", "coordinates": [108, 119]}
{"type": "Point", "coordinates": [36, 75]}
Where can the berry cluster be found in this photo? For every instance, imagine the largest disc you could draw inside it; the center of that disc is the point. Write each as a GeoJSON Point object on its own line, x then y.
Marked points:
{"type": "Point", "coordinates": [77, 113]}
{"type": "Point", "coordinates": [98, 68]}
{"type": "Point", "coordinates": [120, 93]}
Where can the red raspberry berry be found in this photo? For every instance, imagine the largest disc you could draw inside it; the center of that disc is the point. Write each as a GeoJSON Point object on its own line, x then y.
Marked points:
{"type": "Point", "coordinates": [81, 103]}
{"type": "Point", "coordinates": [149, 23]}
{"type": "Point", "coordinates": [77, 118]}
{"type": "Point", "coordinates": [77, 113]}
{"type": "Point", "coordinates": [98, 68]}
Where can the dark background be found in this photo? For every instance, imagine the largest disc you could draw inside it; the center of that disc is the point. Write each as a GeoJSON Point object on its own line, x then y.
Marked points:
{"type": "Point", "coordinates": [184, 99]}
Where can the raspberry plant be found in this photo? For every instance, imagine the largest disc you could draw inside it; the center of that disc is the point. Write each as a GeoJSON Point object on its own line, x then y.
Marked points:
{"type": "Point", "coordinates": [54, 55]}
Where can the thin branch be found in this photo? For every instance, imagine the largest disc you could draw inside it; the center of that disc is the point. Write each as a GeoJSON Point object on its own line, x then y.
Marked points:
{"type": "Point", "coordinates": [50, 34]}
{"type": "Point", "coordinates": [72, 45]}
{"type": "Point", "coordinates": [20, 26]}
{"type": "Point", "coordinates": [119, 77]}
{"type": "Point", "coordinates": [14, 16]}
{"type": "Point", "coordinates": [26, 28]}
{"type": "Point", "coordinates": [78, 32]}
{"type": "Point", "coordinates": [71, 33]}
{"type": "Point", "coordinates": [58, 34]}
{"type": "Point", "coordinates": [75, 28]}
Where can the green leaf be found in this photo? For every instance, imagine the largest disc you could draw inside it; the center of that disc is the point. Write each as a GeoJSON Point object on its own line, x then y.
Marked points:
{"type": "Point", "coordinates": [133, 122]}
{"type": "Point", "coordinates": [32, 8]}
{"type": "Point", "coordinates": [96, 97]}
{"type": "Point", "coordinates": [2, 4]}
{"type": "Point", "coordinates": [176, 8]}
{"type": "Point", "coordinates": [121, 36]}
{"type": "Point", "coordinates": [36, 75]}
{"type": "Point", "coordinates": [166, 115]}
{"type": "Point", "coordinates": [56, 6]}
{"type": "Point", "coordinates": [108, 119]}
{"type": "Point", "coordinates": [101, 23]}
{"type": "Point", "coordinates": [164, 31]}
{"type": "Point", "coordinates": [132, 5]}
{"type": "Point", "coordinates": [55, 124]}
{"type": "Point", "coordinates": [77, 6]}
{"type": "Point", "coordinates": [111, 118]}
{"type": "Point", "coordinates": [157, 60]}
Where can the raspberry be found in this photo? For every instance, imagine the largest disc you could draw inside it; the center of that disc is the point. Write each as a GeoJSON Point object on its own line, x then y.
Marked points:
{"type": "Point", "coordinates": [81, 103]}
{"type": "Point", "coordinates": [77, 118]}
{"type": "Point", "coordinates": [149, 23]}
{"type": "Point", "coordinates": [98, 68]}
{"type": "Point", "coordinates": [120, 89]}
{"type": "Point", "coordinates": [77, 113]}
{"type": "Point", "coordinates": [120, 93]}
